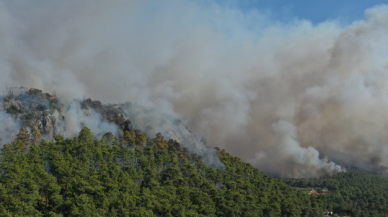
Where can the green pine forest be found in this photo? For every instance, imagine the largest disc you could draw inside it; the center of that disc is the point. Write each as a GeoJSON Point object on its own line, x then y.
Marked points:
{"type": "Point", "coordinates": [355, 193]}
{"type": "Point", "coordinates": [133, 175]}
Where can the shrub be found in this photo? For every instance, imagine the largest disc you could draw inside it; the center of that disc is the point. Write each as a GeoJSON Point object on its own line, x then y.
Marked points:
{"type": "Point", "coordinates": [8, 98]}
{"type": "Point", "coordinates": [34, 91]}
{"type": "Point", "coordinates": [41, 107]}
{"type": "Point", "coordinates": [53, 106]}
{"type": "Point", "coordinates": [12, 109]}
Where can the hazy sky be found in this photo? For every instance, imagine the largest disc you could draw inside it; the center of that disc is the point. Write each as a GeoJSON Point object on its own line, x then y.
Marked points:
{"type": "Point", "coordinates": [316, 11]}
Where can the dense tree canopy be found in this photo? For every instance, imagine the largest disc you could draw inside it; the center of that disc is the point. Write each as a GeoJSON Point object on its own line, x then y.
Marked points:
{"type": "Point", "coordinates": [135, 176]}
{"type": "Point", "coordinates": [354, 193]}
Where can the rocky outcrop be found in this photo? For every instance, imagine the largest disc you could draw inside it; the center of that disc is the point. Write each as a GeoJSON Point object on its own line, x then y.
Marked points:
{"type": "Point", "coordinates": [32, 108]}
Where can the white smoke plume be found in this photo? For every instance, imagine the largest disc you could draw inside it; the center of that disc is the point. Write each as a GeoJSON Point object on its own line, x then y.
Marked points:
{"type": "Point", "coordinates": [8, 128]}
{"type": "Point", "coordinates": [238, 77]}
{"type": "Point", "coordinates": [76, 119]}
{"type": "Point", "coordinates": [288, 158]}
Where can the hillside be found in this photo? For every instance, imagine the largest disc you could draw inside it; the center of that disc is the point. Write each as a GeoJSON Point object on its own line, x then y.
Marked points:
{"type": "Point", "coordinates": [84, 176]}
{"type": "Point", "coordinates": [87, 158]}
{"type": "Point", "coordinates": [356, 193]}
{"type": "Point", "coordinates": [128, 171]}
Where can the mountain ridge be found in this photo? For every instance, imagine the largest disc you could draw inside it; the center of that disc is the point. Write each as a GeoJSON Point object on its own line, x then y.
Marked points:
{"type": "Point", "coordinates": [31, 107]}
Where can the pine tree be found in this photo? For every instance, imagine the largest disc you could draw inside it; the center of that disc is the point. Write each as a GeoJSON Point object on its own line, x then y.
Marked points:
{"type": "Point", "coordinates": [36, 137]}
{"type": "Point", "coordinates": [86, 136]}
{"type": "Point", "coordinates": [22, 140]}
{"type": "Point", "coordinates": [129, 138]}
{"type": "Point", "coordinates": [108, 138]}
{"type": "Point", "coordinates": [141, 139]}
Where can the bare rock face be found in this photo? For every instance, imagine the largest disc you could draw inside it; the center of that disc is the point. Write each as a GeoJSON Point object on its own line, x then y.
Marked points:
{"type": "Point", "coordinates": [47, 125]}
{"type": "Point", "coordinates": [29, 107]}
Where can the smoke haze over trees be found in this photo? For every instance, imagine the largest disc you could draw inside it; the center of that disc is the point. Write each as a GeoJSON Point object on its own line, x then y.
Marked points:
{"type": "Point", "coordinates": [280, 94]}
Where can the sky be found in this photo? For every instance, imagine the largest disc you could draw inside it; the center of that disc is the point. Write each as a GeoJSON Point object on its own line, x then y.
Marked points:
{"type": "Point", "coordinates": [316, 11]}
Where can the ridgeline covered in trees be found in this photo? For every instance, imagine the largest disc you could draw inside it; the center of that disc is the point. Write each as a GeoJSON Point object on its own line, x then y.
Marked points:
{"type": "Point", "coordinates": [135, 176]}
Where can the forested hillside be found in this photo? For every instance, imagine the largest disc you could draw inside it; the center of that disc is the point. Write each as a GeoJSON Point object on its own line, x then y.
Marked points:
{"type": "Point", "coordinates": [135, 176]}
{"type": "Point", "coordinates": [355, 193]}
{"type": "Point", "coordinates": [130, 174]}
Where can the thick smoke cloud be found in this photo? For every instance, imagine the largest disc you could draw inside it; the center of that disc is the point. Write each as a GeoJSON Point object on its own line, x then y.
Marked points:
{"type": "Point", "coordinates": [268, 92]}
{"type": "Point", "coordinates": [288, 158]}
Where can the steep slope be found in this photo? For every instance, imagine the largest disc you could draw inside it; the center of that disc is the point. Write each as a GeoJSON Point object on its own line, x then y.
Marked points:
{"type": "Point", "coordinates": [84, 176]}
{"type": "Point", "coordinates": [119, 171]}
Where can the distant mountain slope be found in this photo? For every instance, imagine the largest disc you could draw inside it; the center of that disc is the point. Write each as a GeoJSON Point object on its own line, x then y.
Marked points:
{"type": "Point", "coordinates": [356, 193]}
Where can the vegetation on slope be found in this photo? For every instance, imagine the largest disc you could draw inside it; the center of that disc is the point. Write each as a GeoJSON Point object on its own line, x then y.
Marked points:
{"type": "Point", "coordinates": [135, 176]}
{"type": "Point", "coordinates": [356, 193]}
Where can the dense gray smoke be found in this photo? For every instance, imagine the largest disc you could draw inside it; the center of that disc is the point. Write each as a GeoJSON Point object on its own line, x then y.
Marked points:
{"type": "Point", "coordinates": [271, 93]}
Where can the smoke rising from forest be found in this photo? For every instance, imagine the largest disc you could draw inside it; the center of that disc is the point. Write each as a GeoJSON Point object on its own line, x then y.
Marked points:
{"type": "Point", "coordinates": [9, 128]}
{"type": "Point", "coordinates": [271, 93]}
{"type": "Point", "coordinates": [76, 119]}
